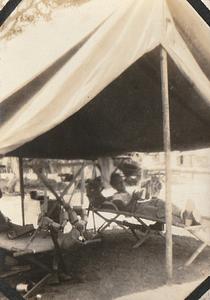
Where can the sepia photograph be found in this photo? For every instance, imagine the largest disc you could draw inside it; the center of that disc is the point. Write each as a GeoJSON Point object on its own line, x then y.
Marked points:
{"type": "Point", "coordinates": [105, 149]}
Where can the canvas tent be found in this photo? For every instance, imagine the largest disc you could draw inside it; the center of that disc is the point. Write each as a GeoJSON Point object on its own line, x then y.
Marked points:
{"type": "Point", "coordinates": [87, 83]}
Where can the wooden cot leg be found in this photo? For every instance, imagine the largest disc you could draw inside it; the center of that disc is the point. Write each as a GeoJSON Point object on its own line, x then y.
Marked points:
{"type": "Point", "coordinates": [134, 233]}
{"type": "Point", "coordinates": [141, 222]}
{"type": "Point", "coordinates": [107, 222]}
{"type": "Point", "coordinates": [122, 226]}
{"type": "Point", "coordinates": [103, 227]}
{"type": "Point", "coordinates": [100, 229]}
{"type": "Point", "coordinates": [161, 234]}
{"type": "Point", "coordinates": [145, 237]}
{"type": "Point", "coordinates": [37, 286]}
{"type": "Point", "coordinates": [94, 222]}
{"type": "Point", "coordinates": [195, 254]}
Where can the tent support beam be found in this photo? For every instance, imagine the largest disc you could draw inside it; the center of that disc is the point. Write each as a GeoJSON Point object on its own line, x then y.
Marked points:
{"type": "Point", "coordinates": [167, 150]}
{"type": "Point", "coordinates": [22, 192]}
{"type": "Point", "coordinates": [73, 180]}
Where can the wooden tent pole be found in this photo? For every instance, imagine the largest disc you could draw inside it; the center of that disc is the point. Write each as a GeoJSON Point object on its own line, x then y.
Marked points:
{"type": "Point", "coordinates": [22, 192]}
{"type": "Point", "coordinates": [82, 187]}
{"type": "Point", "coordinates": [167, 150]}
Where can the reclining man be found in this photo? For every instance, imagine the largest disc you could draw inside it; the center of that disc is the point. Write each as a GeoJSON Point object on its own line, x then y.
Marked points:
{"type": "Point", "coordinates": [124, 201]}
{"type": "Point", "coordinates": [153, 207]}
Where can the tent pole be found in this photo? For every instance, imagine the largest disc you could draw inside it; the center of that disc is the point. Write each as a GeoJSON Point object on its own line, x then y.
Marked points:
{"type": "Point", "coordinates": [22, 193]}
{"type": "Point", "coordinates": [167, 150]}
{"type": "Point", "coordinates": [82, 187]}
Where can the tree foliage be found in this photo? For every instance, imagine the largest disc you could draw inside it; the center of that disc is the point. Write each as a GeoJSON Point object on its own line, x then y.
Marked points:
{"type": "Point", "coordinates": [30, 11]}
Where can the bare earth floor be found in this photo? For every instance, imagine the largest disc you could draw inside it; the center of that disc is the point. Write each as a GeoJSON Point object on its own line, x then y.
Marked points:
{"type": "Point", "coordinates": [112, 269]}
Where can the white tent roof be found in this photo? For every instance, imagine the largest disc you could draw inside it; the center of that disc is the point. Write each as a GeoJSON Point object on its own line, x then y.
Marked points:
{"type": "Point", "coordinates": [55, 68]}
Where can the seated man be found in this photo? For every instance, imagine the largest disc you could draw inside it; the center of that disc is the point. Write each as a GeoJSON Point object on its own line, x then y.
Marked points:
{"type": "Point", "coordinates": [52, 211]}
{"type": "Point", "coordinates": [55, 216]}
{"type": "Point", "coordinates": [93, 190]}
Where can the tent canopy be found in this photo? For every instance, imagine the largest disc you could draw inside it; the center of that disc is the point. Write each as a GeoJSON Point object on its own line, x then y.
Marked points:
{"type": "Point", "coordinates": [94, 88]}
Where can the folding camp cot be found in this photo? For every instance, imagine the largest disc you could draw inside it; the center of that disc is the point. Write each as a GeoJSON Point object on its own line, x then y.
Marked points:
{"type": "Point", "coordinates": [109, 216]}
{"type": "Point", "coordinates": [28, 249]}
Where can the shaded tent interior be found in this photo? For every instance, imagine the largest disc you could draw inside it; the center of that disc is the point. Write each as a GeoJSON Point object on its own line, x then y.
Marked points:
{"type": "Point", "coordinates": [127, 116]}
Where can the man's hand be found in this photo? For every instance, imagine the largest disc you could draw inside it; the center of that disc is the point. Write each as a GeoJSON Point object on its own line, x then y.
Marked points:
{"type": "Point", "coordinates": [136, 195]}
{"type": "Point", "coordinates": [80, 226]}
{"type": "Point", "coordinates": [46, 222]}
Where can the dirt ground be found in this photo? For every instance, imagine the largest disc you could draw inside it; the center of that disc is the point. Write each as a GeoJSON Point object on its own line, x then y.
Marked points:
{"type": "Point", "coordinates": [113, 269]}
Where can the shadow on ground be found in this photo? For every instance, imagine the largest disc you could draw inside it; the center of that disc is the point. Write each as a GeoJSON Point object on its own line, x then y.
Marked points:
{"type": "Point", "coordinates": [113, 269]}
